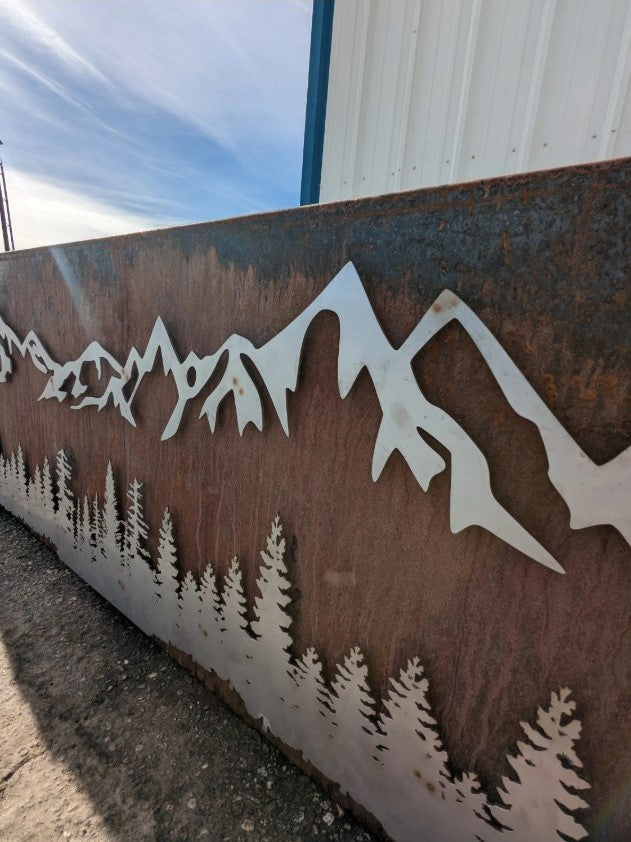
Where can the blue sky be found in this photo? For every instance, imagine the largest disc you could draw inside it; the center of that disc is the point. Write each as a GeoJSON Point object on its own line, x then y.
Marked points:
{"type": "Point", "coordinates": [122, 115]}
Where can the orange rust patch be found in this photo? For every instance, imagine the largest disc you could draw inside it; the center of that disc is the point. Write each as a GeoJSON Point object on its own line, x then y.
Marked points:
{"type": "Point", "coordinates": [240, 391]}
{"type": "Point", "coordinates": [588, 395]}
{"type": "Point", "coordinates": [234, 381]}
{"type": "Point", "coordinates": [551, 388]}
{"type": "Point", "coordinates": [609, 381]}
{"type": "Point", "coordinates": [437, 307]}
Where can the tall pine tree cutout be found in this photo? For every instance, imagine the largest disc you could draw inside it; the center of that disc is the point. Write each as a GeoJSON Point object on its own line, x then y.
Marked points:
{"type": "Point", "coordinates": [136, 529]}
{"type": "Point", "coordinates": [410, 733]}
{"type": "Point", "coordinates": [96, 529]}
{"type": "Point", "coordinates": [111, 532]}
{"type": "Point", "coordinates": [65, 509]}
{"type": "Point", "coordinates": [36, 490]}
{"type": "Point", "coordinates": [167, 572]}
{"type": "Point", "coordinates": [234, 627]}
{"type": "Point", "coordinates": [48, 491]}
{"type": "Point", "coordinates": [271, 622]}
{"type": "Point", "coordinates": [210, 615]}
{"type": "Point", "coordinates": [85, 540]}
{"type": "Point", "coordinates": [21, 483]}
{"type": "Point", "coordinates": [190, 606]}
{"type": "Point", "coordinates": [544, 794]}
{"type": "Point", "coordinates": [349, 708]}
{"type": "Point", "coordinates": [307, 724]}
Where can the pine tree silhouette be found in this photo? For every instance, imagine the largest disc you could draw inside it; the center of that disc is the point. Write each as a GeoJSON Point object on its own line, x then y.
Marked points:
{"type": "Point", "coordinates": [48, 495]}
{"type": "Point", "coordinates": [234, 626]}
{"type": "Point", "coordinates": [308, 723]}
{"type": "Point", "coordinates": [12, 472]}
{"type": "Point", "coordinates": [407, 714]}
{"type": "Point", "coordinates": [271, 622]}
{"type": "Point", "coordinates": [349, 708]}
{"type": "Point", "coordinates": [36, 490]}
{"type": "Point", "coordinates": [542, 797]}
{"type": "Point", "coordinates": [111, 525]}
{"type": "Point", "coordinates": [96, 528]}
{"type": "Point", "coordinates": [20, 478]}
{"type": "Point", "coordinates": [86, 527]}
{"type": "Point", "coordinates": [66, 497]}
{"type": "Point", "coordinates": [136, 529]}
{"type": "Point", "coordinates": [210, 616]}
{"type": "Point", "coordinates": [190, 606]}
{"type": "Point", "coordinates": [167, 568]}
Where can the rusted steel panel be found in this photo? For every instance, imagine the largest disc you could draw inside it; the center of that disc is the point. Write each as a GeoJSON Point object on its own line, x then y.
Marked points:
{"type": "Point", "coordinates": [544, 260]}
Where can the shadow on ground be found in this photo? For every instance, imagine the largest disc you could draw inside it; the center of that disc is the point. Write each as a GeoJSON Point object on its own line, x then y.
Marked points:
{"type": "Point", "coordinates": [104, 737]}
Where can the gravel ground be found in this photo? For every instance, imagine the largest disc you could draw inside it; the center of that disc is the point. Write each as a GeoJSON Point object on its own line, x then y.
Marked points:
{"type": "Point", "coordinates": [104, 737]}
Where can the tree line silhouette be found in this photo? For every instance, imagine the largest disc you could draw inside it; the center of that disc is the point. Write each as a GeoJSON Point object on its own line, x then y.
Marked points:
{"type": "Point", "coordinates": [388, 757]}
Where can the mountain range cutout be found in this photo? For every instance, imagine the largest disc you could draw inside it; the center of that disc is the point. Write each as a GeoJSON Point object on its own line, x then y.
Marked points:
{"type": "Point", "coordinates": [595, 494]}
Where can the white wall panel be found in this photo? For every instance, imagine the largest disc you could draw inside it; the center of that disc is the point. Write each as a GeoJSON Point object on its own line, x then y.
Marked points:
{"type": "Point", "coordinates": [427, 92]}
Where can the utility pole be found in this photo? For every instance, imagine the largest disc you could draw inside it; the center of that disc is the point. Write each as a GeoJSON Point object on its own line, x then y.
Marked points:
{"type": "Point", "coordinates": [5, 213]}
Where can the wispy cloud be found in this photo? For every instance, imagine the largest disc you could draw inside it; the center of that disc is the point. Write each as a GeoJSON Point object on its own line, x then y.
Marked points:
{"type": "Point", "coordinates": [52, 86]}
{"type": "Point", "coordinates": [44, 213]}
{"type": "Point", "coordinates": [18, 15]}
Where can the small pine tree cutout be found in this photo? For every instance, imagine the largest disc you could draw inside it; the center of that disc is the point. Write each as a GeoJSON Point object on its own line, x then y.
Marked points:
{"type": "Point", "coordinates": [544, 794]}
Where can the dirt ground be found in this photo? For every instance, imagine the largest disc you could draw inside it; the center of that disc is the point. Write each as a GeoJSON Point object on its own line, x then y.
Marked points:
{"type": "Point", "coordinates": [104, 737]}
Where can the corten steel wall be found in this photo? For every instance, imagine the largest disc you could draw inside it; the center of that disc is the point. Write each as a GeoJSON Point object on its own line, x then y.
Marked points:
{"type": "Point", "coordinates": [544, 260]}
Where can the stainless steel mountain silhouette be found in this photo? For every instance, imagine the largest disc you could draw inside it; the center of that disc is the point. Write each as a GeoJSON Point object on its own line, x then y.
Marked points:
{"type": "Point", "coordinates": [594, 494]}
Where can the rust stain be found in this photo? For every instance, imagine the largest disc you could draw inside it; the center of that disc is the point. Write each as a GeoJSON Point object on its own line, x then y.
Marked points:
{"type": "Point", "coordinates": [551, 388]}
{"type": "Point", "coordinates": [608, 381]}
{"type": "Point", "coordinates": [588, 395]}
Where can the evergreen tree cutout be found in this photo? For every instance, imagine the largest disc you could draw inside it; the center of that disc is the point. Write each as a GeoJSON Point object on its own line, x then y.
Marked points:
{"type": "Point", "coordinates": [233, 625]}
{"type": "Point", "coordinates": [544, 794]}
{"type": "Point", "coordinates": [306, 698]}
{"type": "Point", "coordinates": [210, 617]}
{"type": "Point", "coordinates": [167, 571]}
{"type": "Point", "coordinates": [271, 622]}
{"type": "Point", "coordinates": [96, 528]}
{"type": "Point", "coordinates": [349, 708]}
{"type": "Point", "coordinates": [406, 714]}
{"type": "Point", "coordinates": [66, 498]}
{"type": "Point", "coordinates": [20, 478]}
{"type": "Point", "coordinates": [233, 600]}
{"type": "Point", "coordinates": [136, 530]}
{"type": "Point", "coordinates": [86, 527]}
{"type": "Point", "coordinates": [48, 492]}
{"type": "Point", "coordinates": [36, 489]}
{"type": "Point", "coordinates": [111, 525]}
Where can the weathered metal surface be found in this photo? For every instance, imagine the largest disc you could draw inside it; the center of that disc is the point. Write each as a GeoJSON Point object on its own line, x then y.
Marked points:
{"type": "Point", "coordinates": [543, 260]}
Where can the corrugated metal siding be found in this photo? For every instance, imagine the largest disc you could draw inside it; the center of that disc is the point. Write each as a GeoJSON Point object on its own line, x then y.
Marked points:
{"type": "Point", "coordinates": [428, 92]}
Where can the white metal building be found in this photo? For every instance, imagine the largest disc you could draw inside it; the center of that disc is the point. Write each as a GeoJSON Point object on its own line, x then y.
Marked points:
{"type": "Point", "coordinates": [428, 92]}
